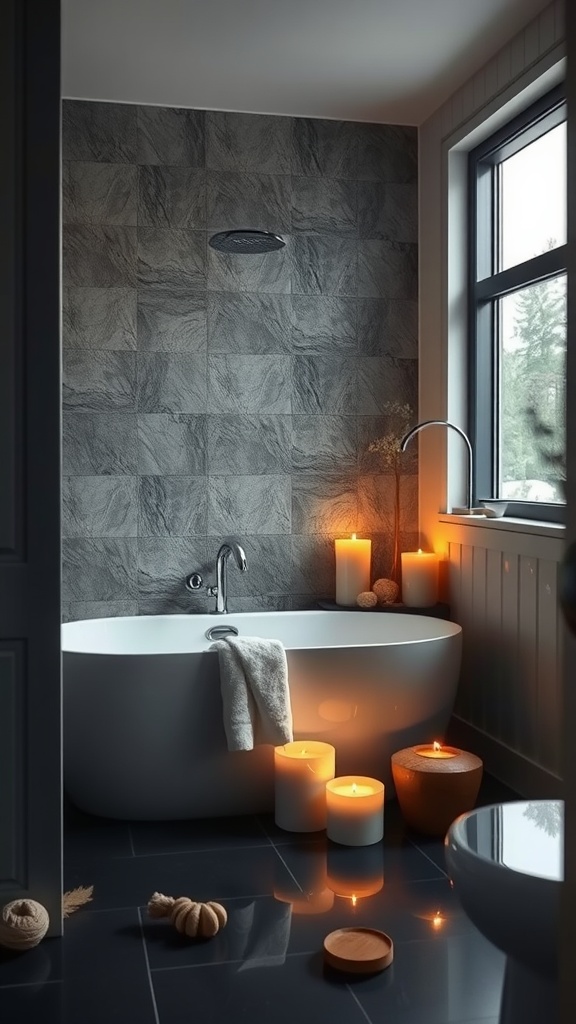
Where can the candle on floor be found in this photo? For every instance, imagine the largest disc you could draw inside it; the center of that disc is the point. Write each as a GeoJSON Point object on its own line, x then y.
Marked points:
{"type": "Point", "coordinates": [434, 784]}
{"type": "Point", "coordinates": [352, 568]}
{"type": "Point", "coordinates": [301, 770]}
{"type": "Point", "coordinates": [355, 810]}
{"type": "Point", "coordinates": [419, 578]}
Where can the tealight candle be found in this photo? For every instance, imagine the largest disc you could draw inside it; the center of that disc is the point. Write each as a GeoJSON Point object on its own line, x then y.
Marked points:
{"type": "Point", "coordinates": [301, 770]}
{"type": "Point", "coordinates": [355, 810]}
{"type": "Point", "coordinates": [352, 568]}
{"type": "Point", "coordinates": [419, 578]}
{"type": "Point", "coordinates": [436, 751]}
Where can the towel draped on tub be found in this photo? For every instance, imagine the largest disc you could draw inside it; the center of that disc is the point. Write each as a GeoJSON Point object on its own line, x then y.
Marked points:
{"type": "Point", "coordinates": [255, 692]}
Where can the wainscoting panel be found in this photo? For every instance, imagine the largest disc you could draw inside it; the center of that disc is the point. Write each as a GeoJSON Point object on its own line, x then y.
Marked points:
{"type": "Point", "coordinates": [503, 592]}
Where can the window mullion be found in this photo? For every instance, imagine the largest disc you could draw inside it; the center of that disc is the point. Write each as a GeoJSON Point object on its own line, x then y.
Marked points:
{"type": "Point", "coordinates": [547, 264]}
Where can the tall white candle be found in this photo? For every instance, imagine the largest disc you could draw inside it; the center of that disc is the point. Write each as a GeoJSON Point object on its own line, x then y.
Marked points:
{"type": "Point", "coordinates": [301, 771]}
{"type": "Point", "coordinates": [355, 810]}
{"type": "Point", "coordinates": [419, 578]}
{"type": "Point", "coordinates": [352, 568]}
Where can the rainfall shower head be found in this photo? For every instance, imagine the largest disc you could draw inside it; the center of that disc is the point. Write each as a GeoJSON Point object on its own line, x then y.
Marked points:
{"type": "Point", "coordinates": [245, 241]}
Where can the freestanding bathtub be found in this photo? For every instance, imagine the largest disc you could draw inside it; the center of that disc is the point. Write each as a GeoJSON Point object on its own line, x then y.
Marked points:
{"type": "Point", "coordinates": [143, 731]}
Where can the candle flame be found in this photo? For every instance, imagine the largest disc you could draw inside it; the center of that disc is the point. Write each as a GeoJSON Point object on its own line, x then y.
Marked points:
{"type": "Point", "coordinates": [419, 551]}
{"type": "Point", "coordinates": [353, 537]}
{"type": "Point", "coordinates": [353, 787]}
{"type": "Point", "coordinates": [303, 752]}
{"type": "Point", "coordinates": [354, 900]}
{"type": "Point", "coordinates": [436, 745]}
{"type": "Point", "coordinates": [437, 920]}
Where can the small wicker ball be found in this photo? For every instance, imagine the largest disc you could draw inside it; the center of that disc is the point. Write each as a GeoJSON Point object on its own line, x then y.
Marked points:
{"type": "Point", "coordinates": [202, 920]}
{"type": "Point", "coordinates": [23, 924]}
{"type": "Point", "coordinates": [367, 599]}
{"type": "Point", "coordinates": [386, 591]}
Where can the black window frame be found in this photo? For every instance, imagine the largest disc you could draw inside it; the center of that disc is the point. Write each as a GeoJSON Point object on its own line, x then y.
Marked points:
{"type": "Point", "coordinates": [486, 285]}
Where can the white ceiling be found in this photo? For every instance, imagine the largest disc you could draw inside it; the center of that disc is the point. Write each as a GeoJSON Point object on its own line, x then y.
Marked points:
{"type": "Point", "coordinates": [392, 61]}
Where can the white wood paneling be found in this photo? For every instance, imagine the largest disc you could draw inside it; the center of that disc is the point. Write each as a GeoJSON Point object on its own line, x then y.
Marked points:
{"type": "Point", "coordinates": [506, 602]}
{"type": "Point", "coordinates": [493, 637]}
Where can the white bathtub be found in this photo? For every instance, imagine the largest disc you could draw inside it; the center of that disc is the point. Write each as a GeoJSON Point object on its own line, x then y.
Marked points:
{"type": "Point", "coordinates": [143, 732]}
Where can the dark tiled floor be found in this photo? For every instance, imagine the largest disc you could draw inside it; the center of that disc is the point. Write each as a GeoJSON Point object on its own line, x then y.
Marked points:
{"type": "Point", "coordinates": [283, 894]}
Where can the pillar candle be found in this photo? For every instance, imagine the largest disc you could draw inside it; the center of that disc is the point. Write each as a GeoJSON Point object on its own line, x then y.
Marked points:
{"type": "Point", "coordinates": [355, 810]}
{"type": "Point", "coordinates": [301, 771]}
{"type": "Point", "coordinates": [352, 568]}
{"type": "Point", "coordinates": [419, 578]}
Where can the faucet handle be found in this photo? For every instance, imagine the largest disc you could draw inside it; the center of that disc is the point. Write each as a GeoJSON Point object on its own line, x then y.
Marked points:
{"type": "Point", "coordinates": [194, 581]}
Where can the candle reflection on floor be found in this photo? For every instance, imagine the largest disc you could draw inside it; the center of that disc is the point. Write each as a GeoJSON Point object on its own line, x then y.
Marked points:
{"type": "Point", "coordinates": [312, 895]}
{"type": "Point", "coordinates": [355, 872]}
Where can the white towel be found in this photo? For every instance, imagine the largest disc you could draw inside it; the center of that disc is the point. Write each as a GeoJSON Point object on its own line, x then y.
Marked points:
{"type": "Point", "coordinates": [255, 693]}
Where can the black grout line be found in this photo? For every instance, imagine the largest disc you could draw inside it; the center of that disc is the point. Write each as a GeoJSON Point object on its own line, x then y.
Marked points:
{"type": "Point", "coordinates": [148, 971]}
{"type": "Point", "coordinates": [358, 1003]}
{"type": "Point", "coordinates": [131, 837]}
{"type": "Point", "coordinates": [219, 963]}
{"type": "Point", "coordinates": [75, 861]}
{"type": "Point", "coordinates": [288, 869]}
{"type": "Point", "coordinates": [424, 854]}
{"type": "Point", "coordinates": [262, 826]}
{"type": "Point", "coordinates": [32, 984]}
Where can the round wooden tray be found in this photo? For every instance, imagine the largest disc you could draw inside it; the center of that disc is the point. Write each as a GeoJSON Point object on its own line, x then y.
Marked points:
{"type": "Point", "coordinates": [358, 950]}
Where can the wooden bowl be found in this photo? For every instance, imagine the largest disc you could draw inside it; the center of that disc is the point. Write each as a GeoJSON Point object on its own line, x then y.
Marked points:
{"type": "Point", "coordinates": [358, 950]}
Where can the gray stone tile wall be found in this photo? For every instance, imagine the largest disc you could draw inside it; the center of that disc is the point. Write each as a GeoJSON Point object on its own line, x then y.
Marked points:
{"type": "Point", "coordinates": [209, 396]}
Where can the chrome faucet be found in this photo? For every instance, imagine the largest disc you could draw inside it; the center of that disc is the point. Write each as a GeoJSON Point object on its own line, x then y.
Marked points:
{"type": "Point", "coordinates": [220, 591]}
{"type": "Point", "coordinates": [467, 510]}
{"type": "Point", "coordinates": [194, 582]}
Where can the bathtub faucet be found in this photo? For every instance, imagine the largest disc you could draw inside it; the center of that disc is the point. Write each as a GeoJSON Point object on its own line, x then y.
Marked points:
{"type": "Point", "coordinates": [220, 591]}
{"type": "Point", "coordinates": [446, 423]}
{"type": "Point", "coordinates": [195, 582]}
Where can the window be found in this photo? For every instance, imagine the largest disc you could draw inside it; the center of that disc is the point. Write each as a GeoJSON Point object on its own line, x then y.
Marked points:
{"type": "Point", "coordinates": [518, 311]}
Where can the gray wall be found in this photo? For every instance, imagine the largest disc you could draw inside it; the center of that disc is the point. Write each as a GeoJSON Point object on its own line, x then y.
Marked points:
{"type": "Point", "coordinates": [209, 396]}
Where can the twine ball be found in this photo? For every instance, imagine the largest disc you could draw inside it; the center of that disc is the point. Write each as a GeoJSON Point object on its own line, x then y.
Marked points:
{"type": "Point", "coordinates": [23, 924]}
{"type": "Point", "coordinates": [202, 920]}
{"type": "Point", "coordinates": [386, 591]}
{"type": "Point", "coordinates": [367, 599]}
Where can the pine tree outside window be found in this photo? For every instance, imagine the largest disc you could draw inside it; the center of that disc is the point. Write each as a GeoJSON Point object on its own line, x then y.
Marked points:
{"type": "Point", "coordinates": [517, 307]}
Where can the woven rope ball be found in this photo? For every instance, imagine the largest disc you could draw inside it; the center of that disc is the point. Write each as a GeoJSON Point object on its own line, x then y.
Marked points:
{"type": "Point", "coordinates": [386, 591]}
{"type": "Point", "coordinates": [202, 920]}
{"type": "Point", "coordinates": [23, 924]}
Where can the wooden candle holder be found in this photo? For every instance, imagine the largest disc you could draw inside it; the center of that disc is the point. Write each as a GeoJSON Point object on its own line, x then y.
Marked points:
{"type": "Point", "coordinates": [431, 791]}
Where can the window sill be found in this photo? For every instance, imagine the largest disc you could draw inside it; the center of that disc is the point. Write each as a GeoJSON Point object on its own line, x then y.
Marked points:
{"type": "Point", "coordinates": [534, 526]}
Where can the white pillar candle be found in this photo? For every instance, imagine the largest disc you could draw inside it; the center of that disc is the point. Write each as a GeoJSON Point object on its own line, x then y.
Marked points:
{"type": "Point", "coordinates": [355, 810]}
{"type": "Point", "coordinates": [352, 568]}
{"type": "Point", "coordinates": [419, 578]}
{"type": "Point", "coordinates": [301, 771]}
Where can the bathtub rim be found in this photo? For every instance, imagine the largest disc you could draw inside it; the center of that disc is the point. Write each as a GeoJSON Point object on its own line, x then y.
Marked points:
{"type": "Point", "coordinates": [446, 630]}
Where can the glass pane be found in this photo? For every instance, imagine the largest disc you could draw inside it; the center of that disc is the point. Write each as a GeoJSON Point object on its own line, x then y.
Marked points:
{"type": "Point", "coordinates": [532, 324]}
{"type": "Point", "coordinates": [533, 198]}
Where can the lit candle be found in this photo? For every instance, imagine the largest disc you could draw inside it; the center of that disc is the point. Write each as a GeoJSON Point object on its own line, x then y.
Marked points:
{"type": "Point", "coordinates": [355, 810]}
{"type": "Point", "coordinates": [434, 784]}
{"type": "Point", "coordinates": [419, 578]}
{"type": "Point", "coordinates": [437, 751]}
{"type": "Point", "coordinates": [301, 771]}
{"type": "Point", "coordinates": [352, 568]}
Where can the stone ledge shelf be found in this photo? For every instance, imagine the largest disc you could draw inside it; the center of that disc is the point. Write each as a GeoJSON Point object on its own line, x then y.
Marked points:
{"type": "Point", "coordinates": [438, 611]}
